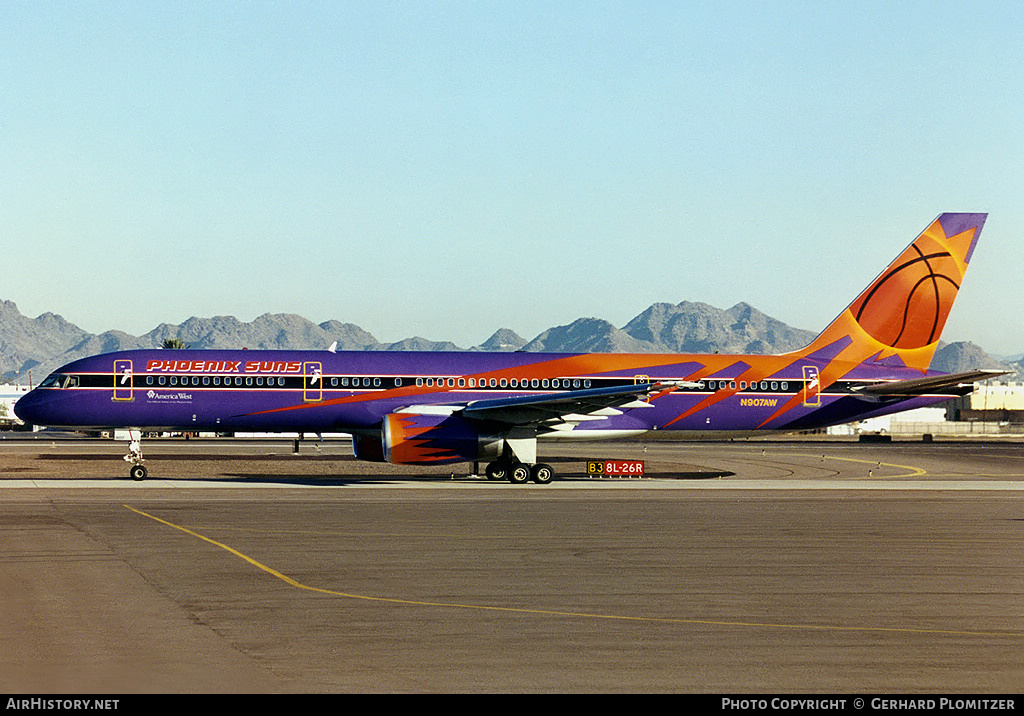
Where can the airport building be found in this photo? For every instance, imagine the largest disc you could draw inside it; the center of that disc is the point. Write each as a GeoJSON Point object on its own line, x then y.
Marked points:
{"type": "Point", "coordinates": [9, 395]}
{"type": "Point", "coordinates": [1000, 402]}
{"type": "Point", "coordinates": [992, 409]}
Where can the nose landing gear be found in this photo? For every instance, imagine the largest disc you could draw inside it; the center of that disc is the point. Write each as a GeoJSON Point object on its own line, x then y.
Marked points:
{"type": "Point", "coordinates": [137, 471]}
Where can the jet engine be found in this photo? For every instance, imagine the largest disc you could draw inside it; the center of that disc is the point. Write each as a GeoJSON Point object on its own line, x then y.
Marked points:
{"type": "Point", "coordinates": [424, 439]}
{"type": "Point", "coordinates": [427, 439]}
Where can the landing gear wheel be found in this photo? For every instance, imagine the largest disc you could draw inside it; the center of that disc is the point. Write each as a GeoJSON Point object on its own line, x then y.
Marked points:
{"type": "Point", "coordinates": [541, 473]}
{"type": "Point", "coordinates": [496, 471]}
{"type": "Point", "coordinates": [137, 471]}
{"type": "Point", "coordinates": [519, 474]}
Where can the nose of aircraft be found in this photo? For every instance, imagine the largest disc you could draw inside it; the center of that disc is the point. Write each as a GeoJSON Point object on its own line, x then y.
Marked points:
{"type": "Point", "coordinates": [35, 408]}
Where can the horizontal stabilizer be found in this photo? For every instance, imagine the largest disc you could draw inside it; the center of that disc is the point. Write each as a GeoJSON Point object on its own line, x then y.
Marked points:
{"type": "Point", "coordinates": [953, 384]}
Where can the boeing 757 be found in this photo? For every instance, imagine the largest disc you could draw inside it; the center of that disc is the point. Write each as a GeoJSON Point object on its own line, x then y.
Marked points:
{"type": "Point", "coordinates": [430, 408]}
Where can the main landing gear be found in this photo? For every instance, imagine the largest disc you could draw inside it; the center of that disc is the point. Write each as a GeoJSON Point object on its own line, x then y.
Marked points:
{"type": "Point", "coordinates": [519, 473]}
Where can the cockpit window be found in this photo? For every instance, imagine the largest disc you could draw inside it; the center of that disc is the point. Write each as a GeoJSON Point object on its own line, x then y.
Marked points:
{"type": "Point", "coordinates": [54, 380]}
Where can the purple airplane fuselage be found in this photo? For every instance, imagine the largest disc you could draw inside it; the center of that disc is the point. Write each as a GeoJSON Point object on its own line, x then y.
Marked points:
{"type": "Point", "coordinates": [320, 391]}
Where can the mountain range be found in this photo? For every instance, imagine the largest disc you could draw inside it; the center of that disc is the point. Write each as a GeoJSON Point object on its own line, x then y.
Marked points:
{"type": "Point", "coordinates": [41, 345]}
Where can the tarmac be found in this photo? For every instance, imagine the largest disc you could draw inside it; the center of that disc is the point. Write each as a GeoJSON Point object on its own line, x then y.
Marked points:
{"type": "Point", "coordinates": [790, 566]}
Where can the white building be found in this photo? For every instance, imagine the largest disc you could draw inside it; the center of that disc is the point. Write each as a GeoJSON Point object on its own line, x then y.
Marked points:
{"type": "Point", "coordinates": [9, 395]}
{"type": "Point", "coordinates": [920, 420]}
{"type": "Point", "coordinates": [995, 396]}
{"type": "Point", "coordinates": [993, 408]}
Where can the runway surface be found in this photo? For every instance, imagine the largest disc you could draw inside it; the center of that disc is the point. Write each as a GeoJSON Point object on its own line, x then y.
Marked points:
{"type": "Point", "coordinates": [742, 567]}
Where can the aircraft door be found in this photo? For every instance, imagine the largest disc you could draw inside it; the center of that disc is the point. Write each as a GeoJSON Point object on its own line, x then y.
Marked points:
{"type": "Point", "coordinates": [124, 380]}
{"type": "Point", "coordinates": [812, 387]}
{"type": "Point", "coordinates": [638, 379]}
{"type": "Point", "coordinates": [312, 381]}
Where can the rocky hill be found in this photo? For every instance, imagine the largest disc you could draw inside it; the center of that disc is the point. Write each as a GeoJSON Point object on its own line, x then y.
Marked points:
{"type": "Point", "coordinates": [963, 356]}
{"type": "Point", "coordinates": [28, 342]}
{"type": "Point", "coordinates": [699, 328]}
{"type": "Point", "coordinates": [42, 344]}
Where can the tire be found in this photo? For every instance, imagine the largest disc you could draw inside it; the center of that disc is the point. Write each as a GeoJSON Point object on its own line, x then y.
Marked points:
{"type": "Point", "coordinates": [137, 472]}
{"type": "Point", "coordinates": [496, 471]}
{"type": "Point", "coordinates": [519, 474]}
{"type": "Point", "coordinates": [541, 474]}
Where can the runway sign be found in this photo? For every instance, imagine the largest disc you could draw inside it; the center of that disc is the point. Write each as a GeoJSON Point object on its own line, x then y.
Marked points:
{"type": "Point", "coordinates": [617, 468]}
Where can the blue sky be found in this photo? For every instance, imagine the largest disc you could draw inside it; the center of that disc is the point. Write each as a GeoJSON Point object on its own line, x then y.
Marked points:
{"type": "Point", "coordinates": [444, 169]}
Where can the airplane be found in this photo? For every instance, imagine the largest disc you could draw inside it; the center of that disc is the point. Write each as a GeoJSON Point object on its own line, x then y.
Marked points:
{"type": "Point", "coordinates": [433, 408]}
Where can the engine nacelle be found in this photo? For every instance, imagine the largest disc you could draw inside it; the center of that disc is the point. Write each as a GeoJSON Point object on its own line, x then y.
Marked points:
{"type": "Point", "coordinates": [421, 439]}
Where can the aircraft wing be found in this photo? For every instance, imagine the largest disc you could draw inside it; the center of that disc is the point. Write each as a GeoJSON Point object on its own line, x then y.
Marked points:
{"type": "Point", "coordinates": [562, 411]}
{"type": "Point", "coordinates": [953, 384]}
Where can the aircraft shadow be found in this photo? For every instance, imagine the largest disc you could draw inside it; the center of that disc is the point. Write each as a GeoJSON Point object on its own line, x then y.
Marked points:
{"type": "Point", "coordinates": [342, 481]}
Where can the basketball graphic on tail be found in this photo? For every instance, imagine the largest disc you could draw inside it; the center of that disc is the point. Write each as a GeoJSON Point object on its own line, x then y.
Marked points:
{"type": "Point", "coordinates": [907, 305]}
{"type": "Point", "coordinates": [917, 294]}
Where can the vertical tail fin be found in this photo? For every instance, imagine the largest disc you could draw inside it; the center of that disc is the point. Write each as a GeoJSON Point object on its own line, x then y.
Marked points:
{"type": "Point", "coordinates": [902, 312]}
